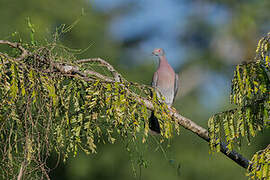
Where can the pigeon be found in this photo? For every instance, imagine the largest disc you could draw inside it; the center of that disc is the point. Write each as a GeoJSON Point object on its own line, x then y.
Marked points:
{"type": "Point", "coordinates": [165, 80]}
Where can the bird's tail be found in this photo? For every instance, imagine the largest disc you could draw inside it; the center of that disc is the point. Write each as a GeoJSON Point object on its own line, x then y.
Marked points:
{"type": "Point", "coordinates": [153, 123]}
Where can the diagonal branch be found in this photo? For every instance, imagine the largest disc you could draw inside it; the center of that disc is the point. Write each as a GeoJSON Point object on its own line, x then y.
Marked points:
{"type": "Point", "coordinates": [193, 127]}
{"type": "Point", "coordinates": [203, 133]}
{"type": "Point", "coordinates": [198, 130]}
{"type": "Point", "coordinates": [73, 70]}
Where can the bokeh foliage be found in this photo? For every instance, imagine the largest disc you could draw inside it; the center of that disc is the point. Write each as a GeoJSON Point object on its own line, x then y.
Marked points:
{"type": "Point", "coordinates": [250, 93]}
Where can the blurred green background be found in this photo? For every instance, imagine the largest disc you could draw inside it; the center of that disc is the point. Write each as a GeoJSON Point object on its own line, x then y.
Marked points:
{"type": "Point", "coordinates": [203, 40]}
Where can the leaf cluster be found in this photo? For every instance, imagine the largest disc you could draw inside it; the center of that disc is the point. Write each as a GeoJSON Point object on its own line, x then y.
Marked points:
{"type": "Point", "coordinates": [260, 168]}
{"type": "Point", "coordinates": [250, 92]}
{"type": "Point", "coordinates": [43, 110]}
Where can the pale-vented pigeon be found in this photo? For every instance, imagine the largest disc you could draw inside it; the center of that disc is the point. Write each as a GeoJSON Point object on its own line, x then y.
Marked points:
{"type": "Point", "coordinates": [166, 81]}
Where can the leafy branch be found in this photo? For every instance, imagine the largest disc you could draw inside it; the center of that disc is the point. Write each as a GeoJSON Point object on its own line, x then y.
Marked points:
{"type": "Point", "coordinates": [260, 168]}
{"type": "Point", "coordinates": [250, 93]}
{"type": "Point", "coordinates": [54, 104]}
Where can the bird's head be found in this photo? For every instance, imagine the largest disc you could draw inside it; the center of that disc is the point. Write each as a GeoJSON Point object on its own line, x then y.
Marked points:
{"type": "Point", "coordinates": [158, 52]}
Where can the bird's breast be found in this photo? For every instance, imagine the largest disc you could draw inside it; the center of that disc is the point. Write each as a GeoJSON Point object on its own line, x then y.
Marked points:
{"type": "Point", "coordinates": [165, 85]}
{"type": "Point", "coordinates": [166, 79]}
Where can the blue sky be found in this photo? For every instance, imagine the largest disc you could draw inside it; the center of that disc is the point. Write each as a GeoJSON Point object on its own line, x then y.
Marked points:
{"type": "Point", "coordinates": [164, 22]}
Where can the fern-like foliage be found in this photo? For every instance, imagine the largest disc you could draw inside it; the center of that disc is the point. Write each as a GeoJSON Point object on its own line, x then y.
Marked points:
{"type": "Point", "coordinates": [250, 92]}
{"type": "Point", "coordinates": [260, 168]}
{"type": "Point", "coordinates": [43, 110]}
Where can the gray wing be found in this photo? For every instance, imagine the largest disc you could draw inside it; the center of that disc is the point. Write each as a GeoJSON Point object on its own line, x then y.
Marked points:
{"type": "Point", "coordinates": [155, 79]}
{"type": "Point", "coordinates": [176, 85]}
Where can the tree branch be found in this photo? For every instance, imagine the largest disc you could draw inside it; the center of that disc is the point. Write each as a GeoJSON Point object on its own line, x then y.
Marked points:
{"type": "Point", "coordinates": [70, 70]}
{"type": "Point", "coordinates": [24, 52]}
{"type": "Point", "coordinates": [187, 124]}
{"type": "Point", "coordinates": [116, 75]}
{"type": "Point", "coordinates": [19, 177]}
{"type": "Point", "coordinates": [203, 133]}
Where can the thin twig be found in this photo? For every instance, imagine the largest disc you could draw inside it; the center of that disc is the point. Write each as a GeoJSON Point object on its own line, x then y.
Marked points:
{"type": "Point", "coordinates": [98, 75]}
{"type": "Point", "coordinates": [19, 177]}
{"type": "Point", "coordinates": [24, 52]}
{"type": "Point", "coordinates": [116, 75]}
